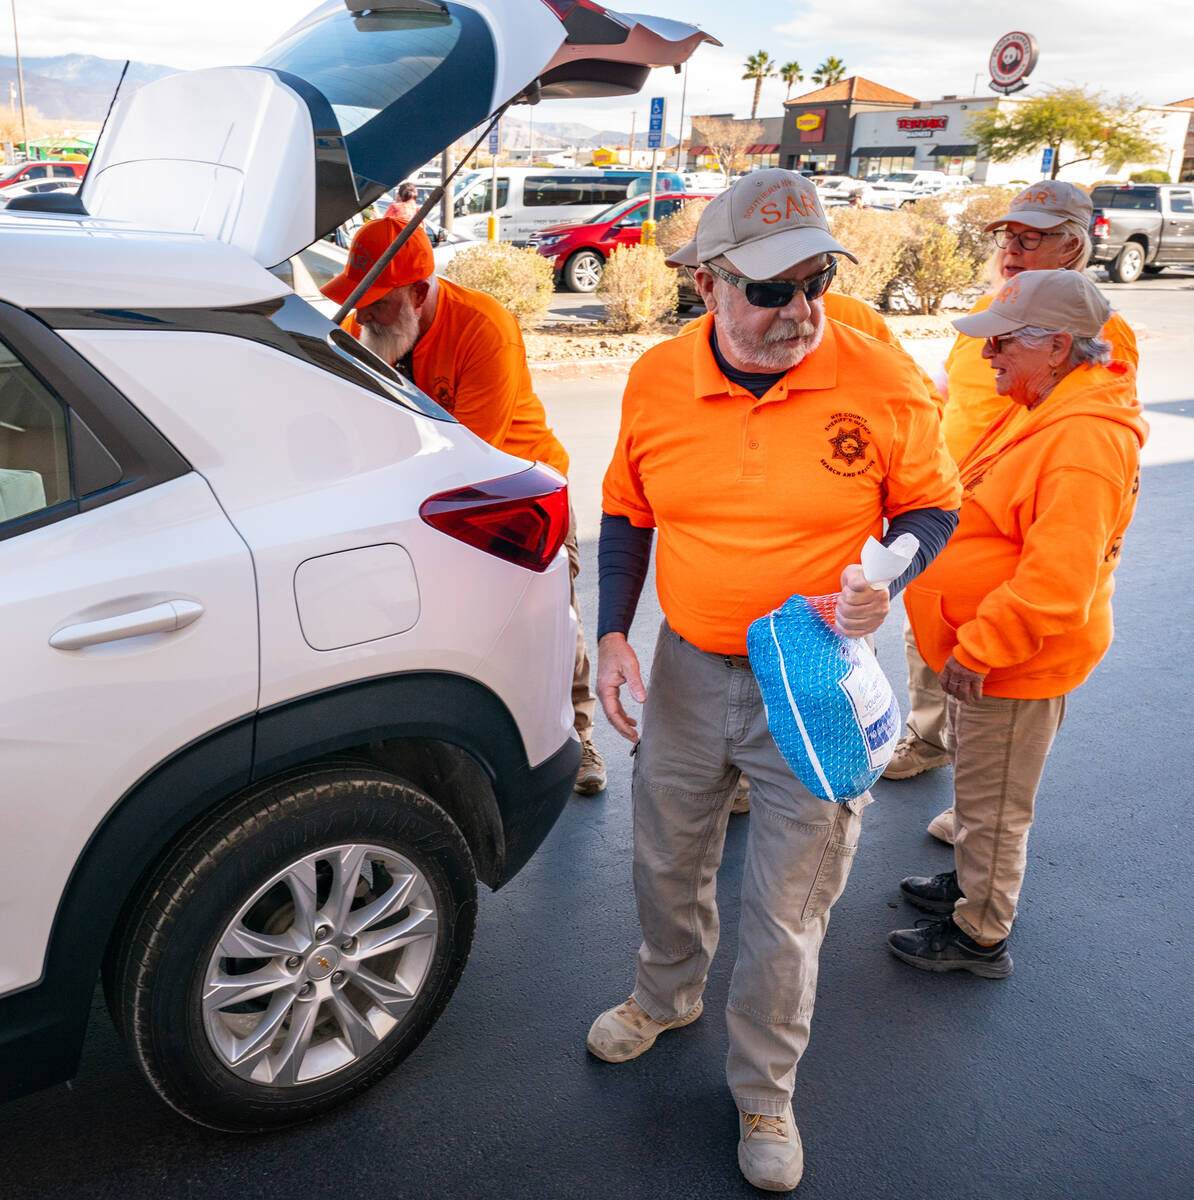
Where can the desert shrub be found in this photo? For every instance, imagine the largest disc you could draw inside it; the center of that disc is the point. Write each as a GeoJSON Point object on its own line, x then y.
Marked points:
{"type": "Point", "coordinates": [932, 266]}
{"type": "Point", "coordinates": [638, 288]}
{"type": "Point", "coordinates": [520, 280]}
{"type": "Point", "coordinates": [966, 212]}
{"type": "Point", "coordinates": [1150, 176]}
{"type": "Point", "coordinates": [877, 238]}
{"type": "Point", "coordinates": [679, 228]}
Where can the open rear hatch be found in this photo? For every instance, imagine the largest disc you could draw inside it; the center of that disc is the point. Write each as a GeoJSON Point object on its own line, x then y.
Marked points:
{"type": "Point", "coordinates": [345, 105]}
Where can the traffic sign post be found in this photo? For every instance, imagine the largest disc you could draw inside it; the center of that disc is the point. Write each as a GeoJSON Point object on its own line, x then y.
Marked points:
{"type": "Point", "coordinates": [1047, 161]}
{"type": "Point", "coordinates": [654, 142]}
{"type": "Point", "coordinates": [495, 147]}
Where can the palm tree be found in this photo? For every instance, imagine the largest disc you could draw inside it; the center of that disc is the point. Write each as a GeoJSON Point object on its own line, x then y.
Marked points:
{"type": "Point", "coordinates": [832, 70]}
{"type": "Point", "coordinates": [758, 67]}
{"type": "Point", "coordinates": [791, 73]}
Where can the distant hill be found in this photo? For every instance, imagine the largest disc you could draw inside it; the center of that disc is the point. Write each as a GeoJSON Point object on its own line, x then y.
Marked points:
{"type": "Point", "coordinates": [75, 87]}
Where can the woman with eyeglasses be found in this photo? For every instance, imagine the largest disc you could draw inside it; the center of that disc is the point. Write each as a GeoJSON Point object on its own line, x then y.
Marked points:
{"type": "Point", "coordinates": [1015, 612]}
{"type": "Point", "coordinates": [1046, 228]}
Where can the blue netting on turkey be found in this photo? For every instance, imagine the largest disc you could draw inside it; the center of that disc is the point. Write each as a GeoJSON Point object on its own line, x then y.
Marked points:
{"type": "Point", "coordinates": [830, 708]}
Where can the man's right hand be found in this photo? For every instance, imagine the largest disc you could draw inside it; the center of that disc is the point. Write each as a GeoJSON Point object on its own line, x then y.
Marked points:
{"type": "Point", "coordinates": [618, 664]}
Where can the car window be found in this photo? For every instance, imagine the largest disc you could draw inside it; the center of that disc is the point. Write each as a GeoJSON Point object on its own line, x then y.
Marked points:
{"type": "Point", "coordinates": [62, 172]}
{"type": "Point", "coordinates": [1124, 197]}
{"type": "Point", "coordinates": [543, 191]}
{"type": "Point", "coordinates": [34, 459]}
{"type": "Point", "coordinates": [1181, 202]}
{"type": "Point", "coordinates": [479, 202]}
{"type": "Point", "coordinates": [37, 173]}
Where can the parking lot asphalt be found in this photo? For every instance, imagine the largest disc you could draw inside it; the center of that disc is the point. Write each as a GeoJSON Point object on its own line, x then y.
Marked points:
{"type": "Point", "coordinates": [1073, 1079]}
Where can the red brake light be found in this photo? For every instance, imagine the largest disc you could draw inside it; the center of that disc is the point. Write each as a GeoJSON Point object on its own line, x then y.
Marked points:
{"type": "Point", "coordinates": [522, 518]}
{"type": "Point", "coordinates": [1102, 227]}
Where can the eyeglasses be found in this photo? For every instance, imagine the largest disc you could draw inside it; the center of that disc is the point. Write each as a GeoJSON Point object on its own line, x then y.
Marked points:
{"type": "Point", "coordinates": [1029, 239]}
{"type": "Point", "coordinates": [777, 293]}
{"type": "Point", "coordinates": [998, 341]}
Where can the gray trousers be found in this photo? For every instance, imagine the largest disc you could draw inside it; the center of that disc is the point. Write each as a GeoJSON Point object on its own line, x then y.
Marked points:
{"type": "Point", "coordinates": [704, 723]}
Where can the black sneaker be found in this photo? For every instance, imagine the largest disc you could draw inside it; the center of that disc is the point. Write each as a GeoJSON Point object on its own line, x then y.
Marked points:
{"type": "Point", "coordinates": [935, 894]}
{"type": "Point", "coordinates": [942, 946]}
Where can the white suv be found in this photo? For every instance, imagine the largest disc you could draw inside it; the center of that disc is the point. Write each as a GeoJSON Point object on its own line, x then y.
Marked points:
{"type": "Point", "coordinates": [286, 650]}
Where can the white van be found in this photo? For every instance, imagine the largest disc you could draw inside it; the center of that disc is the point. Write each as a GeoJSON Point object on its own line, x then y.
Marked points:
{"type": "Point", "coordinates": [531, 198]}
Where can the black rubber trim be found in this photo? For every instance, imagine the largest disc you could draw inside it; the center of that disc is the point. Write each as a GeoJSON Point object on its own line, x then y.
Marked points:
{"type": "Point", "coordinates": [109, 431]}
{"type": "Point", "coordinates": [285, 323]}
{"type": "Point", "coordinates": [57, 202]}
{"type": "Point", "coordinates": [42, 1027]}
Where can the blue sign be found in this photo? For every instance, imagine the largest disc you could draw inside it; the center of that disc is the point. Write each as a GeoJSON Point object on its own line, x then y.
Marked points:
{"type": "Point", "coordinates": [655, 126]}
{"type": "Point", "coordinates": [495, 138]}
{"type": "Point", "coordinates": [657, 103]}
{"type": "Point", "coordinates": [1047, 160]}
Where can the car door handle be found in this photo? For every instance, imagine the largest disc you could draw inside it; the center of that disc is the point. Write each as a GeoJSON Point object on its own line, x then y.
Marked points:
{"type": "Point", "coordinates": [166, 617]}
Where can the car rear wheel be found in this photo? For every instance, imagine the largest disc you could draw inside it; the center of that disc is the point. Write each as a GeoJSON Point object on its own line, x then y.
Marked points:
{"type": "Point", "coordinates": [1129, 263]}
{"type": "Point", "coordinates": [291, 952]}
{"type": "Point", "coordinates": [582, 272]}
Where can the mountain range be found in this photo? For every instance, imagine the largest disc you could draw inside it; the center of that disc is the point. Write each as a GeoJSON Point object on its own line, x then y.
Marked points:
{"type": "Point", "coordinates": [79, 87]}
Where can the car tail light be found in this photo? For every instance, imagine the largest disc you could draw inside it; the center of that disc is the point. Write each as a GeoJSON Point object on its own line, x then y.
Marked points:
{"type": "Point", "coordinates": [1102, 227]}
{"type": "Point", "coordinates": [522, 518]}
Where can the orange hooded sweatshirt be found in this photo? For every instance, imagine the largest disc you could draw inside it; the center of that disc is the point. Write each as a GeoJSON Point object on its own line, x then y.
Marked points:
{"type": "Point", "coordinates": [1022, 592]}
{"type": "Point", "coordinates": [973, 403]}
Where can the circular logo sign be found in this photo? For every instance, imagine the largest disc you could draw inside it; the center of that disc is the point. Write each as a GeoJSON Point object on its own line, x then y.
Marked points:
{"type": "Point", "coordinates": [1012, 59]}
{"type": "Point", "coordinates": [603, 157]}
{"type": "Point", "coordinates": [808, 121]}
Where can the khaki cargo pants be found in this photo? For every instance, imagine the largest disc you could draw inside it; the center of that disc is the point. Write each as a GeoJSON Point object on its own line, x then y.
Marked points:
{"type": "Point", "coordinates": [703, 724]}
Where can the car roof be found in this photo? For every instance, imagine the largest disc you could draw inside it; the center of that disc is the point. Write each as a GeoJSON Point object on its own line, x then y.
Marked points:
{"type": "Point", "coordinates": [68, 261]}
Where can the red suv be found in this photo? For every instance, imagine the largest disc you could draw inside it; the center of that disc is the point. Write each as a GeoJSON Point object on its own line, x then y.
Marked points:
{"type": "Point", "coordinates": [578, 252]}
{"type": "Point", "coordinates": [35, 169]}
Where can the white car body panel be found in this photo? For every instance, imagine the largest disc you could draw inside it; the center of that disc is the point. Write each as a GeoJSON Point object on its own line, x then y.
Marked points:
{"type": "Point", "coordinates": [79, 727]}
{"type": "Point", "coordinates": [313, 466]}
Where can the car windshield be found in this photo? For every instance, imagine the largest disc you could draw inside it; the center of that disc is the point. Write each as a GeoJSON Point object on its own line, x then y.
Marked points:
{"type": "Point", "coordinates": [368, 64]}
{"type": "Point", "coordinates": [903, 177]}
{"type": "Point", "coordinates": [12, 172]}
{"type": "Point", "coordinates": [614, 211]}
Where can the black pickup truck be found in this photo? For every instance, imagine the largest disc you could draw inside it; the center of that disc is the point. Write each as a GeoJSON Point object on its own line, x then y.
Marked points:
{"type": "Point", "coordinates": [1142, 227]}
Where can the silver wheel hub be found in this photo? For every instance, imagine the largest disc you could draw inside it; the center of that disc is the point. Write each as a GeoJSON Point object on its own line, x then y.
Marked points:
{"type": "Point", "coordinates": [319, 965]}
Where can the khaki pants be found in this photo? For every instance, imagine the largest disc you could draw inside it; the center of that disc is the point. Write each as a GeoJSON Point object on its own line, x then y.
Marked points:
{"type": "Point", "coordinates": [926, 713]}
{"type": "Point", "coordinates": [704, 724]}
{"type": "Point", "coordinates": [998, 748]}
{"type": "Point", "coordinates": [584, 703]}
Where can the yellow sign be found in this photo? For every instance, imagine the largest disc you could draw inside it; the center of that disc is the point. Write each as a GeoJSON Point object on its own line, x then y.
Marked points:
{"type": "Point", "coordinates": [603, 157]}
{"type": "Point", "coordinates": [808, 121]}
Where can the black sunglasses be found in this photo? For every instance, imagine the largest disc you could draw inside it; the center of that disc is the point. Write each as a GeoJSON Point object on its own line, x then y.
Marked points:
{"type": "Point", "coordinates": [777, 293]}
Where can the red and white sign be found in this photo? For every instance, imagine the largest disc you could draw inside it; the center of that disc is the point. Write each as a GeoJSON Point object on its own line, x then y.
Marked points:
{"type": "Point", "coordinates": [1013, 58]}
{"type": "Point", "coordinates": [922, 122]}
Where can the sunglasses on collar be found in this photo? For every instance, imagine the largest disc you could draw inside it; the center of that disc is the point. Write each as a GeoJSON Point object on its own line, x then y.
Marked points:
{"type": "Point", "coordinates": [777, 293]}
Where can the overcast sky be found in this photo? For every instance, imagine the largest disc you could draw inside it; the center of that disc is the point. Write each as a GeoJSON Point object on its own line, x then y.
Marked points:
{"type": "Point", "coordinates": [927, 48]}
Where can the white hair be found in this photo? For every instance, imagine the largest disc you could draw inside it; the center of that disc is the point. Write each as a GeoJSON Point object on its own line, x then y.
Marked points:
{"type": "Point", "coordinates": [1082, 349]}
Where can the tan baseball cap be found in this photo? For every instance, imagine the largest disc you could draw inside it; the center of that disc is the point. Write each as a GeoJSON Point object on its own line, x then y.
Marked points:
{"type": "Point", "coordinates": [1060, 301]}
{"type": "Point", "coordinates": [767, 222]}
{"type": "Point", "coordinates": [1046, 204]}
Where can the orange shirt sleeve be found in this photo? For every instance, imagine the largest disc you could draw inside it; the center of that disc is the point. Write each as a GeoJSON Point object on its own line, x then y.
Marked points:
{"type": "Point", "coordinates": [1070, 519]}
{"type": "Point", "coordinates": [488, 378]}
{"type": "Point", "coordinates": [1123, 341]}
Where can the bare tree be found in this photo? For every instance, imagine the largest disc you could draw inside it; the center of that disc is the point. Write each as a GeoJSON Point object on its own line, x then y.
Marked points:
{"type": "Point", "coordinates": [726, 138]}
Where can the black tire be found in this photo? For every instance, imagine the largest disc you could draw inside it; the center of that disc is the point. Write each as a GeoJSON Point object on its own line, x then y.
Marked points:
{"type": "Point", "coordinates": [1128, 264]}
{"type": "Point", "coordinates": [582, 271]}
{"type": "Point", "coordinates": [171, 938]}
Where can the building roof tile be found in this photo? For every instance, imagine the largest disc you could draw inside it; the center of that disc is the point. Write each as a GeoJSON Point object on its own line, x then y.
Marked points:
{"type": "Point", "coordinates": [855, 87]}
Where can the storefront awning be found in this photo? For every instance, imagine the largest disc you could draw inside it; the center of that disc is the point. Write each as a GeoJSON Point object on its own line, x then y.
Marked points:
{"type": "Point", "coordinates": [955, 151]}
{"type": "Point", "coordinates": [699, 150]}
{"type": "Point", "coordinates": [763, 148]}
{"type": "Point", "coordinates": [884, 152]}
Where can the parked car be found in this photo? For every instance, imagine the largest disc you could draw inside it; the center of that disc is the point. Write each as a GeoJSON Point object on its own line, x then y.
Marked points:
{"type": "Point", "coordinates": [578, 252]}
{"type": "Point", "coordinates": [532, 198]}
{"type": "Point", "coordinates": [1142, 227]}
{"type": "Point", "coordinates": [37, 187]}
{"type": "Point", "coordinates": [287, 651]}
{"type": "Point", "coordinates": [41, 169]}
{"type": "Point", "coordinates": [837, 189]}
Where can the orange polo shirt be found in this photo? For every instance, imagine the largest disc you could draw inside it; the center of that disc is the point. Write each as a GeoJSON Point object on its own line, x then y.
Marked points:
{"type": "Point", "coordinates": [973, 403]}
{"type": "Point", "coordinates": [473, 363]}
{"type": "Point", "coordinates": [1022, 593]}
{"type": "Point", "coordinates": [757, 499]}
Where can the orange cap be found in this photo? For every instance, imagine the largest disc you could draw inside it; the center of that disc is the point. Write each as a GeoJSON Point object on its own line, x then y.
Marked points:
{"type": "Point", "coordinates": [412, 263]}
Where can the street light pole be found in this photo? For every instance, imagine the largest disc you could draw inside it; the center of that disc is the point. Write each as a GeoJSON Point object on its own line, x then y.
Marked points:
{"type": "Point", "coordinates": [20, 77]}
{"type": "Point", "coordinates": [681, 152]}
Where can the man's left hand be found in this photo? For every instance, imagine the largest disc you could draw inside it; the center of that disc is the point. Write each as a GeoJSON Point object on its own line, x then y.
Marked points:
{"type": "Point", "coordinates": [860, 607]}
{"type": "Point", "coordinates": [961, 682]}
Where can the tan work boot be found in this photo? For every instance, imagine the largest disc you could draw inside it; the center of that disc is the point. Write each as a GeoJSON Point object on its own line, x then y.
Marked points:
{"type": "Point", "coordinates": [914, 757]}
{"type": "Point", "coordinates": [769, 1151]}
{"type": "Point", "coordinates": [590, 777]}
{"type": "Point", "coordinates": [741, 796]}
{"type": "Point", "coordinates": [625, 1032]}
{"type": "Point", "coordinates": [942, 827]}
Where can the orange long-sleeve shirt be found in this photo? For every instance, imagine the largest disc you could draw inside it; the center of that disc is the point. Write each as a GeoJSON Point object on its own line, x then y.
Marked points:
{"type": "Point", "coordinates": [1022, 593]}
{"type": "Point", "coordinates": [973, 403]}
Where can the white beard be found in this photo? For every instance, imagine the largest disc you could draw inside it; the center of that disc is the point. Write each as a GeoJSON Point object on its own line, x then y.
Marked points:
{"type": "Point", "coordinates": [775, 352]}
{"type": "Point", "coordinates": [395, 341]}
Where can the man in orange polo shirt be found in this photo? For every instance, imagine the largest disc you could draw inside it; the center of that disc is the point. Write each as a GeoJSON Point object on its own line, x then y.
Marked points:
{"type": "Point", "coordinates": [765, 446]}
{"type": "Point", "coordinates": [466, 352]}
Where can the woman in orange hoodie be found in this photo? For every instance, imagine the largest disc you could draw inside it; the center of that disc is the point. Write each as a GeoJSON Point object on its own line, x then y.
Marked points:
{"type": "Point", "coordinates": [1045, 229]}
{"type": "Point", "coordinates": [1016, 611]}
